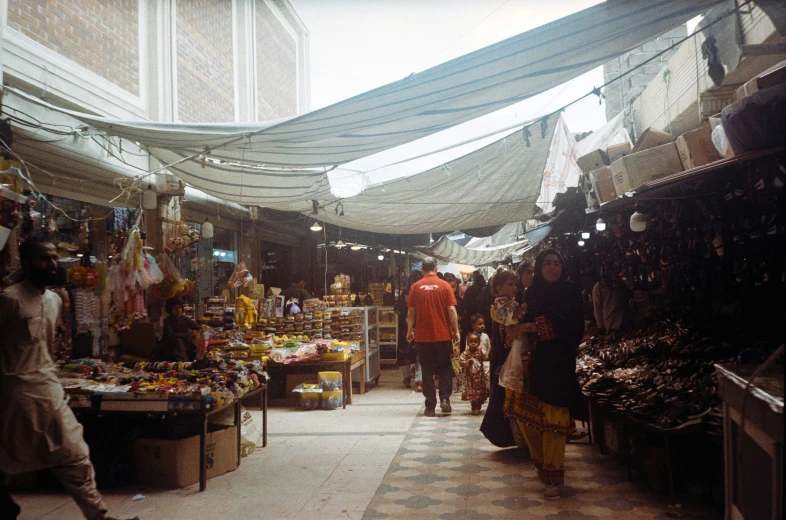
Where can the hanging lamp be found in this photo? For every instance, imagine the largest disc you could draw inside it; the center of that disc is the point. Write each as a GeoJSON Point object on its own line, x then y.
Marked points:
{"type": "Point", "coordinates": [149, 198]}
{"type": "Point", "coordinates": [207, 229]}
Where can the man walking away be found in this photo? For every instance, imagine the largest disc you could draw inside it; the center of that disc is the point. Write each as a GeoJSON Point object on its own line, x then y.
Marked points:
{"type": "Point", "coordinates": [432, 305]}
{"type": "Point", "coordinates": [37, 428]}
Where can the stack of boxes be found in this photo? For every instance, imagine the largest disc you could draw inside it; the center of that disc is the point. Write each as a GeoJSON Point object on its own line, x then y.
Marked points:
{"type": "Point", "coordinates": [346, 325]}
{"type": "Point", "coordinates": [377, 292]}
{"type": "Point", "coordinates": [340, 295]}
{"type": "Point", "coordinates": [620, 168]}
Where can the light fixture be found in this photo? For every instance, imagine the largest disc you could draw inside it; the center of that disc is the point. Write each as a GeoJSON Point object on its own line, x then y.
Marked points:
{"type": "Point", "coordinates": [581, 243]}
{"type": "Point", "coordinates": [149, 198]}
{"type": "Point", "coordinates": [585, 235]}
{"type": "Point", "coordinates": [356, 247]}
{"type": "Point", "coordinates": [638, 221]}
{"type": "Point", "coordinates": [207, 229]}
{"type": "Point", "coordinates": [600, 225]}
{"type": "Point", "coordinates": [340, 244]}
{"type": "Point", "coordinates": [380, 256]}
{"type": "Point", "coordinates": [223, 253]}
{"type": "Point", "coordinates": [80, 255]}
{"type": "Point", "coordinates": [316, 226]}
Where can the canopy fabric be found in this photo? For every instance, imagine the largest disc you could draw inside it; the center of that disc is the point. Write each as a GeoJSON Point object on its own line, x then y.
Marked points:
{"type": "Point", "coordinates": [613, 132]}
{"type": "Point", "coordinates": [422, 104]}
{"type": "Point", "coordinates": [494, 185]}
{"type": "Point", "coordinates": [507, 234]}
{"type": "Point", "coordinates": [456, 269]}
{"type": "Point", "coordinates": [510, 233]}
{"type": "Point", "coordinates": [446, 250]}
{"type": "Point", "coordinates": [561, 171]}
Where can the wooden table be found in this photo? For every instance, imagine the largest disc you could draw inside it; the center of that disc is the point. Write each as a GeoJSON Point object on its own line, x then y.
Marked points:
{"type": "Point", "coordinates": [194, 416]}
{"type": "Point", "coordinates": [346, 366]}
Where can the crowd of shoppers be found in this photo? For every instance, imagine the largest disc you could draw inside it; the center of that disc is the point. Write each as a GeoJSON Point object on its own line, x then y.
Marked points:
{"type": "Point", "coordinates": [526, 368]}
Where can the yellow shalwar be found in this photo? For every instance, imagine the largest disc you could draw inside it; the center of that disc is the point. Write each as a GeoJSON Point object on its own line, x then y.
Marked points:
{"type": "Point", "coordinates": [37, 428]}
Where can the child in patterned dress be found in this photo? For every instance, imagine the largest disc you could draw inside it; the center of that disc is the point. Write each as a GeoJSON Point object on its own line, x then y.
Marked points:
{"type": "Point", "coordinates": [476, 390]}
{"type": "Point", "coordinates": [479, 326]}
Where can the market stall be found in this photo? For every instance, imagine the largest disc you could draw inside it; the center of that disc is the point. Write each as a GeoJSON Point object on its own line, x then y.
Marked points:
{"type": "Point", "coordinates": [694, 252]}
{"type": "Point", "coordinates": [169, 392]}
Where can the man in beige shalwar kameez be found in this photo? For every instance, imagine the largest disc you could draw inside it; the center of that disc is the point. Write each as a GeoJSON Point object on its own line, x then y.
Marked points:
{"type": "Point", "coordinates": [37, 428]}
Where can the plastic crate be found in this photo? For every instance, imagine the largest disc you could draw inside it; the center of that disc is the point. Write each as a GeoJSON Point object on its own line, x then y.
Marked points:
{"type": "Point", "coordinates": [329, 380]}
{"type": "Point", "coordinates": [332, 399]}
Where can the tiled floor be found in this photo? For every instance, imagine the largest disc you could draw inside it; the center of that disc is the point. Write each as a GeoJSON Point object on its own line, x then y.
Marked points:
{"type": "Point", "coordinates": [381, 458]}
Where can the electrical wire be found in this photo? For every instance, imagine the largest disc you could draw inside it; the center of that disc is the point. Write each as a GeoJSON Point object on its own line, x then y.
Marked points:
{"type": "Point", "coordinates": [467, 32]}
{"type": "Point", "coordinates": [28, 179]}
{"type": "Point", "coordinates": [207, 150]}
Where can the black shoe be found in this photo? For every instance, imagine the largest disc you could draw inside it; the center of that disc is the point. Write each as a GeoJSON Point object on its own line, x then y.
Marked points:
{"type": "Point", "coordinates": [445, 406]}
{"type": "Point", "coordinates": [430, 412]}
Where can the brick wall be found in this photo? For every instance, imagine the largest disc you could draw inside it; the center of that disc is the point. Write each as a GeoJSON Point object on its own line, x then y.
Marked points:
{"type": "Point", "coordinates": [100, 35]}
{"type": "Point", "coordinates": [276, 66]}
{"type": "Point", "coordinates": [205, 77]}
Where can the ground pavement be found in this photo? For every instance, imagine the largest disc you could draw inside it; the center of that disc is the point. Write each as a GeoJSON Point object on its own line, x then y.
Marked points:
{"type": "Point", "coordinates": [382, 459]}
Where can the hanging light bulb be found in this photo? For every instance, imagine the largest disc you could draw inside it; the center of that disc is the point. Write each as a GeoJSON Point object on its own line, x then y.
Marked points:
{"type": "Point", "coordinates": [340, 244]}
{"type": "Point", "coordinates": [207, 229]}
{"type": "Point", "coordinates": [585, 235]}
{"type": "Point", "coordinates": [316, 226]}
{"type": "Point", "coordinates": [380, 256]}
{"type": "Point", "coordinates": [149, 198]}
{"type": "Point", "coordinates": [638, 222]}
{"type": "Point", "coordinates": [600, 225]}
{"type": "Point", "coordinates": [581, 243]}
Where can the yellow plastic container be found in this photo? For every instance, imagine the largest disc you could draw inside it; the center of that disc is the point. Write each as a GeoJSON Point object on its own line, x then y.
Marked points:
{"type": "Point", "coordinates": [329, 380]}
{"type": "Point", "coordinates": [335, 356]}
{"type": "Point", "coordinates": [332, 399]}
{"type": "Point", "coordinates": [310, 400]}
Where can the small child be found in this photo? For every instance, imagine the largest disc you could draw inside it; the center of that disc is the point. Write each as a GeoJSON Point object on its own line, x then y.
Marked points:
{"type": "Point", "coordinates": [472, 359]}
{"type": "Point", "coordinates": [479, 326]}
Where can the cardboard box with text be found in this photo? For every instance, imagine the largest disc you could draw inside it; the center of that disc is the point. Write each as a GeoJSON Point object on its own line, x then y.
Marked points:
{"type": "Point", "coordinates": [633, 170]}
{"type": "Point", "coordinates": [174, 463]}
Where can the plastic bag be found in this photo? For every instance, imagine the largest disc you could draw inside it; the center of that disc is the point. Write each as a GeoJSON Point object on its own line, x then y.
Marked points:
{"type": "Point", "coordinates": [455, 359]}
{"type": "Point", "coordinates": [168, 268]}
{"type": "Point", "coordinates": [241, 277]}
{"type": "Point", "coordinates": [511, 374]}
{"type": "Point", "coordinates": [720, 140]}
{"type": "Point", "coordinates": [249, 433]}
{"type": "Point", "coordinates": [155, 273]}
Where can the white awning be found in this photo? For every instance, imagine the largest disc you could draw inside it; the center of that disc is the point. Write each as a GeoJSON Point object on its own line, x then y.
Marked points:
{"type": "Point", "coordinates": [420, 105]}
{"type": "Point", "coordinates": [447, 250]}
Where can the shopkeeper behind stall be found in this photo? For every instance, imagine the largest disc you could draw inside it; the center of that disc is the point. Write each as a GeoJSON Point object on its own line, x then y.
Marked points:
{"type": "Point", "coordinates": [174, 345]}
{"type": "Point", "coordinates": [296, 293]}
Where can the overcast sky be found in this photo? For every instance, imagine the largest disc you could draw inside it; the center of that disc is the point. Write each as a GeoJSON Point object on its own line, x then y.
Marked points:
{"type": "Point", "coordinates": [358, 45]}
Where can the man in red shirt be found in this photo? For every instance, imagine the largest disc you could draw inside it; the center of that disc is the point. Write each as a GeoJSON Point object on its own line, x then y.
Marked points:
{"type": "Point", "coordinates": [432, 305]}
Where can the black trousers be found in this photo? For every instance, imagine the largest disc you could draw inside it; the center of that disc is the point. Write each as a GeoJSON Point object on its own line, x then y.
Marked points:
{"type": "Point", "coordinates": [435, 361]}
{"type": "Point", "coordinates": [8, 508]}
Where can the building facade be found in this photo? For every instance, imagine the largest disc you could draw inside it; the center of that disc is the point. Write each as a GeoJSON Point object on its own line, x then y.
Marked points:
{"type": "Point", "coordinates": [189, 61]}
{"type": "Point", "coordinates": [675, 93]}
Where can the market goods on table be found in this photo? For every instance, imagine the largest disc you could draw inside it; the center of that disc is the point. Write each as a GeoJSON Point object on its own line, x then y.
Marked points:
{"type": "Point", "coordinates": [159, 386]}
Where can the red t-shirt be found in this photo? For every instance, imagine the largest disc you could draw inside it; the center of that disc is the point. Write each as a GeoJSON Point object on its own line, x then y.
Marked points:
{"type": "Point", "coordinates": [431, 298]}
